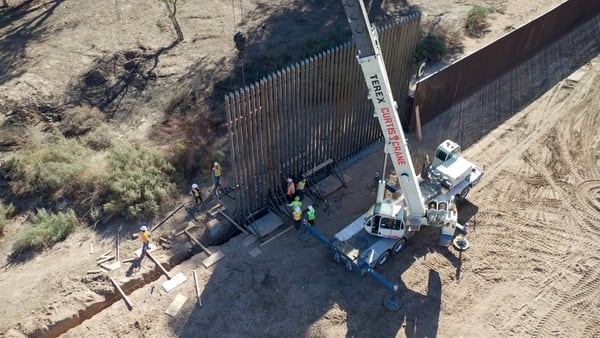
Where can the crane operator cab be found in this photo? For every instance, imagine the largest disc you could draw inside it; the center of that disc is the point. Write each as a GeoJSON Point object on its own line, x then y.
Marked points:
{"type": "Point", "coordinates": [386, 219]}
{"type": "Point", "coordinates": [446, 151]}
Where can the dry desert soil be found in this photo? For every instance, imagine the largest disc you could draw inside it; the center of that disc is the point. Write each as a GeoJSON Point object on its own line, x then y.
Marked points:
{"type": "Point", "coordinates": [533, 268]}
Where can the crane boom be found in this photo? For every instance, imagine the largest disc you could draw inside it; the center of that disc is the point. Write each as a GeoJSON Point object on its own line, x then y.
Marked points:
{"type": "Point", "coordinates": [375, 74]}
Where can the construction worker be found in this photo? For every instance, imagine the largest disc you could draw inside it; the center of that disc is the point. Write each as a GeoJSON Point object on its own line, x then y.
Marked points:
{"type": "Point", "coordinates": [310, 215]}
{"type": "Point", "coordinates": [196, 194]}
{"type": "Point", "coordinates": [291, 190]}
{"type": "Point", "coordinates": [300, 189]}
{"type": "Point", "coordinates": [216, 172]}
{"type": "Point", "coordinates": [297, 218]}
{"type": "Point", "coordinates": [295, 203]}
{"type": "Point", "coordinates": [145, 237]}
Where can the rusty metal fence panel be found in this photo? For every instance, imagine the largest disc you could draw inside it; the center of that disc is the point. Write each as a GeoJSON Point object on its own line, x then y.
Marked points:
{"type": "Point", "coordinates": [304, 115]}
{"type": "Point", "coordinates": [440, 91]}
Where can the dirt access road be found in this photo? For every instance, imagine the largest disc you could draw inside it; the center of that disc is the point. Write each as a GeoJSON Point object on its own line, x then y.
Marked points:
{"type": "Point", "coordinates": [532, 270]}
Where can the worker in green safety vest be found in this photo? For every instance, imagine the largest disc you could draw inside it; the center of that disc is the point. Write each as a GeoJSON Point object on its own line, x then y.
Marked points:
{"type": "Point", "coordinates": [310, 215]}
{"type": "Point", "coordinates": [295, 203]}
{"type": "Point", "coordinates": [300, 189]}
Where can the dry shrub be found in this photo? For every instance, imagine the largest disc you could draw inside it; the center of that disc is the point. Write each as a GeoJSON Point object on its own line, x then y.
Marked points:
{"type": "Point", "coordinates": [477, 20]}
{"type": "Point", "coordinates": [187, 139]}
{"type": "Point", "coordinates": [80, 120]}
{"type": "Point", "coordinates": [6, 213]}
{"type": "Point", "coordinates": [452, 37]}
{"type": "Point", "coordinates": [99, 139]}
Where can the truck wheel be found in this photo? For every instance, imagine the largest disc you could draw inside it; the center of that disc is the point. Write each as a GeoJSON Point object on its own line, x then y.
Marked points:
{"type": "Point", "coordinates": [398, 246]}
{"type": "Point", "coordinates": [336, 257]}
{"type": "Point", "coordinates": [349, 265]}
{"type": "Point", "coordinates": [383, 258]}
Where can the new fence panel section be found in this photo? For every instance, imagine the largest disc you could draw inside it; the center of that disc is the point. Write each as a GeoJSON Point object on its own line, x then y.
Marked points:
{"type": "Point", "coordinates": [306, 114]}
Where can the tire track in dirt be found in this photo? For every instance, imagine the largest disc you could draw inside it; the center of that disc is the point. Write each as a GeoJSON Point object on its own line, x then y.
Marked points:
{"type": "Point", "coordinates": [587, 290]}
{"type": "Point", "coordinates": [585, 225]}
{"type": "Point", "coordinates": [588, 193]}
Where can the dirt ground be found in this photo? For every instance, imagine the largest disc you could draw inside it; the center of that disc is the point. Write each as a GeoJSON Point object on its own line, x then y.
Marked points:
{"type": "Point", "coordinates": [532, 269]}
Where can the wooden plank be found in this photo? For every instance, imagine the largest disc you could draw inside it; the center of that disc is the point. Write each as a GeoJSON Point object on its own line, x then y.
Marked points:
{"type": "Point", "coordinates": [118, 244]}
{"type": "Point", "coordinates": [168, 216]}
{"type": "Point", "coordinates": [255, 252]}
{"type": "Point", "coordinates": [277, 236]}
{"type": "Point", "coordinates": [158, 264]}
{"type": "Point", "coordinates": [105, 259]}
{"type": "Point", "coordinates": [176, 305]}
{"type": "Point", "coordinates": [103, 255]}
{"type": "Point", "coordinates": [205, 249]}
{"type": "Point", "coordinates": [190, 225]}
{"type": "Point", "coordinates": [112, 266]}
{"type": "Point", "coordinates": [123, 295]}
{"type": "Point", "coordinates": [318, 167]}
{"type": "Point", "coordinates": [233, 222]}
{"type": "Point", "coordinates": [249, 240]}
{"type": "Point", "coordinates": [212, 259]}
{"type": "Point", "coordinates": [172, 283]}
{"type": "Point", "coordinates": [197, 288]}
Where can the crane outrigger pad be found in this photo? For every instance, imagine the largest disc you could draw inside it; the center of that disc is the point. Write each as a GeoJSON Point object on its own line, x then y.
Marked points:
{"type": "Point", "coordinates": [460, 243]}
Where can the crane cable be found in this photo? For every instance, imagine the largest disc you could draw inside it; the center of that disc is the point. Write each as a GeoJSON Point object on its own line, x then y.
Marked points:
{"type": "Point", "coordinates": [240, 39]}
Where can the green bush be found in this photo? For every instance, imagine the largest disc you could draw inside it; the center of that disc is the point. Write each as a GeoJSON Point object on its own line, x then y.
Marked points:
{"type": "Point", "coordinates": [138, 181]}
{"type": "Point", "coordinates": [46, 230]}
{"type": "Point", "coordinates": [430, 47]}
{"type": "Point", "coordinates": [48, 169]}
{"type": "Point", "coordinates": [477, 19]}
{"type": "Point", "coordinates": [6, 212]}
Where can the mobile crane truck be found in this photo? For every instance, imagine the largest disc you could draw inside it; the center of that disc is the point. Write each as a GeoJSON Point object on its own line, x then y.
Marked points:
{"type": "Point", "coordinates": [427, 199]}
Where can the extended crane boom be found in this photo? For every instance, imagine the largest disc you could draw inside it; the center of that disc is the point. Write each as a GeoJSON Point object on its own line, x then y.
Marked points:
{"type": "Point", "coordinates": [375, 73]}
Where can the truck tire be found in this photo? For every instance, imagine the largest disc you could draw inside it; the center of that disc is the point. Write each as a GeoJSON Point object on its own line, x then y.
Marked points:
{"type": "Point", "coordinates": [398, 246]}
{"type": "Point", "coordinates": [383, 258]}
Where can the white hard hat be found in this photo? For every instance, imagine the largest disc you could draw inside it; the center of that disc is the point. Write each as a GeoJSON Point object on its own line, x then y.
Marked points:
{"type": "Point", "coordinates": [216, 163]}
{"type": "Point", "coordinates": [310, 207]}
{"type": "Point", "coordinates": [297, 209]}
{"type": "Point", "coordinates": [143, 228]}
{"type": "Point", "coordinates": [194, 186]}
{"type": "Point", "coordinates": [289, 180]}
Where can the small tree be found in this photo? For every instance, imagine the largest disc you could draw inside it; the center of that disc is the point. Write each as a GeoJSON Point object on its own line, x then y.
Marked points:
{"type": "Point", "coordinates": [172, 10]}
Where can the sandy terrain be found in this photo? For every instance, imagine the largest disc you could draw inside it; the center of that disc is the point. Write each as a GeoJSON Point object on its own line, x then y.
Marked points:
{"type": "Point", "coordinates": [532, 269]}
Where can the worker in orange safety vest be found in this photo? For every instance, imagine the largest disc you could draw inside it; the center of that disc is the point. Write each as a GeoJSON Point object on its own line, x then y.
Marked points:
{"type": "Point", "coordinates": [145, 237]}
{"type": "Point", "coordinates": [291, 190]}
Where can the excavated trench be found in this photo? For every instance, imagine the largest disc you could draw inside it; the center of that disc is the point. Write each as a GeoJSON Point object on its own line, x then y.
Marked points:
{"type": "Point", "coordinates": [57, 328]}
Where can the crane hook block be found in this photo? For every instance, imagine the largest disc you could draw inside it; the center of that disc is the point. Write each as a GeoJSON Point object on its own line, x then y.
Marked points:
{"type": "Point", "coordinates": [240, 41]}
